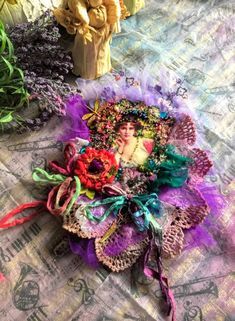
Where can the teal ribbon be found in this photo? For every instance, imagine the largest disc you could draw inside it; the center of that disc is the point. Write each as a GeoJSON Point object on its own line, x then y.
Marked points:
{"type": "Point", "coordinates": [142, 217]}
{"type": "Point", "coordinates": [75, 196]}
{"type": "Point", "coordinates": [171, 172]}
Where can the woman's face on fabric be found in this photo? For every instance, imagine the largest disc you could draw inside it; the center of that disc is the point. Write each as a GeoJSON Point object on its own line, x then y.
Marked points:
{"type": "Point", "coordinates": [126, 131]}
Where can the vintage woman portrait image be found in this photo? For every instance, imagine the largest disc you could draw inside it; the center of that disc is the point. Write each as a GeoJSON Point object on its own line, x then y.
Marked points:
{"type": "Point", "coordinates": [130, 147]}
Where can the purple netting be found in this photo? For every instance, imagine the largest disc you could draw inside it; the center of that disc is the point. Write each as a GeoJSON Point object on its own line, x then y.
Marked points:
{"type": "Point", "coordinates": [73, 125]}
{"type": "Point", "coordinates": [215, 200]}
{"type": "Point", "coordinates": [86, 249]}
{"type": "Point", "coordinates": [181, 197]}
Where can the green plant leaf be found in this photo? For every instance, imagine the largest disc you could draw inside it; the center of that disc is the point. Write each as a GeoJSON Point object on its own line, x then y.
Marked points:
{"type": "Point", "coordinates": [9, 65]}
{"type": "Point", "coordinates": [10, 49]}
{"type": "Point", "coordinates": [6, 119]}
{"type": "Point", "coordinates": [3, 40]}
{"type": "Point", "coordinates": [13, 93]}
{"type": "Point", "coordinates": [19, 91]}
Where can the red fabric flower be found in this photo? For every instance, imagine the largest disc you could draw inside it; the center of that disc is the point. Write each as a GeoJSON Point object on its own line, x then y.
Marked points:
{"type": "Point", "coordinates": [96, 168]}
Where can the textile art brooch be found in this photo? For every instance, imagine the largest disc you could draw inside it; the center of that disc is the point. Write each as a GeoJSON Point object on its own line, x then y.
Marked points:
{"type": "Point", "coordinates": [130, 193]}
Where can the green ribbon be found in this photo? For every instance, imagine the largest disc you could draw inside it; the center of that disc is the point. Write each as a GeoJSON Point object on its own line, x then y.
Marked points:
{"type": "Point", "coordinates": [142, 217]}
{"type": "Point", "coordinates": [171, 172]}
{"type": "Point", "coordinates": [43, 177]}
{"type": "Point", "coordinates": [75, 195]}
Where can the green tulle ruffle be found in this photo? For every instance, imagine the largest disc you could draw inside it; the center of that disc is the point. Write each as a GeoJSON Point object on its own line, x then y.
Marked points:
{"type": "Point", "coordinates": [173, 171]}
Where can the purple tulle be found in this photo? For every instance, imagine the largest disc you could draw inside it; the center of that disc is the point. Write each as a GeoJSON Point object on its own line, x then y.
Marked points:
{"type": "Point", "coordinates": [181, 197]}
{"type": "Point", "coordinates": [73, 125]}
{"type": "Point", "coordinates": [166, 92]}
{"type": "Point", "coordinates": [86, 249]}
{"type": "Point", "coordinates": [216, 201]}
{"type": "Point", "coordinates": [201, 235]}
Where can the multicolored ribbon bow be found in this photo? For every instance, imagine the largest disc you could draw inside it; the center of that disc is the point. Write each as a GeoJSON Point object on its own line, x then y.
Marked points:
{"type": "Point", "coordinates": [138, 206]}
{"type": "Point", "coordinates": [143, 210]}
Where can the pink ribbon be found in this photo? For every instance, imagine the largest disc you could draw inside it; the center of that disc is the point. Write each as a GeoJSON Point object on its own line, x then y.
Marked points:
{"type": "Point", "coordinates": [163, 281]}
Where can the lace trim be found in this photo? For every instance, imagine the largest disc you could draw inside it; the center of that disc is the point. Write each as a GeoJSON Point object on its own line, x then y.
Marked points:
{"type": "Point", "coordinates": [201, 162]}
{"type": "Point", "coordinates": [123, 260]}
{"type": "Point", "coordinates": [77, 223]}
{"type": "Point", "coordinates": [184, 130]}
{"type": "Point", "coordinates": [181, 219]}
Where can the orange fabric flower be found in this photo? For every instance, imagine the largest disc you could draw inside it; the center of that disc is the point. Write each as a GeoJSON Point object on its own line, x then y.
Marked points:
{"type": "Point", "coordinates": [96, 168]}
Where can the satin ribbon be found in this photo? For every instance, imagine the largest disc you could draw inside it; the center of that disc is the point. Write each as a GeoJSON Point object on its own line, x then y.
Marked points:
{"type": "Point", "coordinates": [144, 202]}
{"type": "Point", "coordinates": [155, 237]}
{"type": "Point", "coordinates": [141, 217]}
{"type": "Point", "coordinates": [5, 221]}
{"type": "Point", "coordinates": [43, 177]}
{"type": "Point", "coordinates": [69, 157]}
{"type": "Point", "coordinates": [66, 194]}
{"type": "Point", "coordinates": [62, 197]}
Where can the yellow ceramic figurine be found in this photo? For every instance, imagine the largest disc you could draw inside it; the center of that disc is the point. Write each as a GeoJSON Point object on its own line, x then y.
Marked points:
{"type": "Point", "coordinates": [133, 6]}
{"type": "Point", "coordinates": [92, 22]}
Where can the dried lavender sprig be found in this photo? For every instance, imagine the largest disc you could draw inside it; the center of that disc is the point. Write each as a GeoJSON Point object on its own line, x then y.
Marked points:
{"type": "Point", "coordinates": [38, 50]}
{"type": "Point", "coordinates": [45, 64]}
{"type": "Point", "coordinates": [50, 94]}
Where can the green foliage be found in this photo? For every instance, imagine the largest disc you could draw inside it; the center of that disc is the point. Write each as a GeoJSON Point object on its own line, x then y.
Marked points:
{"type": "Point", "coordinates": [13, 94]}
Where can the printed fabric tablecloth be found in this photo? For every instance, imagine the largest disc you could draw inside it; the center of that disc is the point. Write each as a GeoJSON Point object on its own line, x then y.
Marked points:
{"type": "Point", "coordinates": [40, 278]}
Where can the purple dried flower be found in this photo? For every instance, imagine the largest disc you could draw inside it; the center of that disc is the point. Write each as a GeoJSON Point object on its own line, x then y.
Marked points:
{"type": "Point", "coordinates": [37, 47]}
